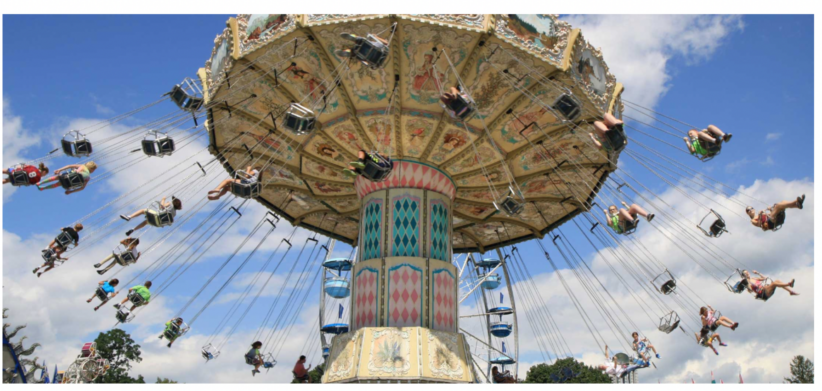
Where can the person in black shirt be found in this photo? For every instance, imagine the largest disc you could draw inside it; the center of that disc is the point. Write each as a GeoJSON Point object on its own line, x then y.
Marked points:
{"type": "Point", "coordinates": [57, 248]}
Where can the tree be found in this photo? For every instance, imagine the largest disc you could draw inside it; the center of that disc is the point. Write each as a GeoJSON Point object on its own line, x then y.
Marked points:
{"type": "Point", "coordinates": [165, 380]}
{"type": "Point", "coordinates": [802, 370]}
{"type": "Point", "coordinates": [541, 373]}
{"type": "Point", "coordinates": [120, 350]}
{"type": "Point", "coordinates": [315, 374]}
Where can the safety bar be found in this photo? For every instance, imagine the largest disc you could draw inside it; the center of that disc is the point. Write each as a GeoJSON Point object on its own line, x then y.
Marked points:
{"type": "Point", "coordinates": [274, 216]}
{"type": "Point", "coordinates": [235, 210]}
{"type": "Point", "coordinates": [287, 242]}
{"type": "Point", "coordinates": [594, 226]}
{"type": "Point", "coordinates": [201, 167]}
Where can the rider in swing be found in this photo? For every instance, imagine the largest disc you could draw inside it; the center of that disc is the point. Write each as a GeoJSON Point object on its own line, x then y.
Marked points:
{"type": "Point", "coordinates": [356, 168]}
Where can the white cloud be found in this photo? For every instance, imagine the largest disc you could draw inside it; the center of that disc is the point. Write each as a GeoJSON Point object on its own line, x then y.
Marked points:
{"type": "Point", "coordinates": [773, 136]}
{"type": "Point", "coordinates": [16, 140]}
{"type": "Point", "coordinates": [637, 48]}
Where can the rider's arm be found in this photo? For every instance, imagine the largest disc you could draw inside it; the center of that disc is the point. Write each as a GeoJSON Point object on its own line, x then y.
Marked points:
{"type": "Point", "coordinates": [690, 147]}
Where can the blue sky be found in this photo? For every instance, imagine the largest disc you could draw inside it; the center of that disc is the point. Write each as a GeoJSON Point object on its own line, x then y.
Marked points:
{"type": "Point", "coordinates": [754, 81]}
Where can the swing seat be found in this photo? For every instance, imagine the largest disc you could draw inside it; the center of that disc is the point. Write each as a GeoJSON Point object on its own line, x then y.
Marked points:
{"type": "Point", "coordinates": [669, 322]}
{"type": "Point", "coordinates": [335, 328]}
{"type": "Point", "coordinates": [124, 258]}
{"type": "Point", "coordinates": [501, 311]}
{"type": "Point", "coordinates": [186, 96]}
{"type": "Point", "coordinates": [339, 264]}
{"type": "Point", "coordinates": [49, 256]}
{"type": "Point", "coordinates": [101, 294]}
{"type": "Point", "coordinates": [617, 140]}
{"type": "Point", "coordinates": [299, 119]}
{"type": "Point", "coordinates": [568, 106]}
{"type": "Point", "coordinates": [778, 221]}
{"type": "Point", "coordinates": [156, 216]}
{"type": "Point", "coordinates": [462, 108]}
{"type": "Point", "coordinates": [371, 52]}
{"type": "Point", "coordinates": [337, 287]}
{"type": "Point", "coordinates": [377, 167]}
{"type": "Point", "coordinates": [136, 299]}
{"type": "Point", "coordinates": [665, 283]}
{"type": "Point", "coordinates": [249, 360]}
{"type": "Point", "coordinates": [503, 360]}
{"type": "Point", "coordinates": [326, 351]}
{"type": "Point", "coordinates": [209, 352]}
{"type": "Point", "coordinates": [71, 180]}
{"type": "Point", "coordinates": [246, 188]}
{"type": "Point", "coordinates": [159, 146]}
{"type": "Point", "coordinates": [511, 206]}
{"type": "Point", "coordinates": [492, 281]}
{"type": "Point", "coordinates": [717, 228]}
{"type": "Point", "coordinates": [712, 150]}
{"type": "Point", "coordinates": [63, 240]}
{"type": "Point", "coordinates": [630, 228]}
{"type": "Point", "coordinates": [501, 329]}
{"type": "Point", "coordinates": [75, 144]}
{"type": "Point", "coordinates": [19, 177]}
{"type": "Point", "coordinates": [124, 315]}
{"type": "Point", "coordinates": [488, 263]}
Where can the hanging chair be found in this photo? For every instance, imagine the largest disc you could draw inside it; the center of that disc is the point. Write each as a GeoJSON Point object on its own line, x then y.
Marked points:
{"type": "Point", "coordinates": [187, 96]}
{"type": "Point", "coordinates": [739, 286]}
{"type": "Point", "coordinates": [715, 326]}
{"type": "Point", "coordinates": [326, 351]}
{"type": "Point", "coordinates": [63, 239]}
{"type": "Point", "coordinates": [616, 138]}
{"type": "Point", "coordinates": [159, 217]}
{"type": "Point", "coordinates": [488, 263]}
{"type": "Point", "coordinates": [716, 229]}
{"type": "Point", "coordinates": [335, 328]}
{"type": "Point", "coordinates": [669, 322]}
{"type": "Point", "coordinates": [339, 264]}
{"type": "Point", "coordinates": [665, 283]}
{"type": "Point", "coordinates": [71, 180]}
{"type": "Point", "coordinates": [123, 256]}
{"type": "Point", "coordinates": [371, 52]}
{"type": "Point", "coordinates": [101, 294]}
{"type": "Point", "coordinates": [75, 144]}
{"type": "Point", "coordinates": [778, 221]}
{"type": "Point", "coordinates": [175, 331]}
{"type": "Point", "coordinates": [249, 187]}
{"type": "Point", "coordinates": [712, 149]}
{"type": "Point", "coordinates": [299, 119]}
{"type": "Point", "coordinates": [136, 299]}
{"type": "Point", "coordinates": [209, 352]}
{"type": "Point", "coordinates": [568, 106]}
{"type": "Point", "coordinates": [49, 256]}
{"type": "Point", "coordinates": [158, 144]}
{"type": "Point", "coordinates": [377, 167]}
{"type": "Point", "coordinates": [462, 107]}
{"type": "Point", "coordinates": [18, 177]}
{"type": "Point", "coordinates": [501, 311]}
{"type": "Point", "coordinates": [124, 315]}
{"type": "Point", "coordinates": [629, 228]}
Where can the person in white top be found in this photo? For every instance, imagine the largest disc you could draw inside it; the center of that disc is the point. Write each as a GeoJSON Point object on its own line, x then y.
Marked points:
{"type": "Point", "coordinates": [172, 207]}
{"type": "Point", "coordinates": [131, 247]}
{"type": "Point", "coordinates": [247, 177]}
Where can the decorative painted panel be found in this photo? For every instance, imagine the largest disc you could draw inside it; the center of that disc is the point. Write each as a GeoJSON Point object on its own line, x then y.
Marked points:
{"type": "Point", "coordinates": [372, 231]}
{"type": "Point", "coordinates": [543, 35]}
{"type": "Point", "coordinates": [365, 299]}
{"type": "Point", "coordinates": [406, 228]}
{"type": "Point", "coordinates": [445, 356]}
{"type": "Point", "coordinates": [343, 358]}
{"type": "Point", "coordinates": [257, 29]}
{"type": "Point", "coordinates": [439, 232]}
{"type": "Point", "coordinates": [404, 293]}
{"type": "Point", "coordinates": [443, 296]}
{"type": "Point", "coordinates": [409, 174]}
{"type": "Point", "coordinates": [394, 353]}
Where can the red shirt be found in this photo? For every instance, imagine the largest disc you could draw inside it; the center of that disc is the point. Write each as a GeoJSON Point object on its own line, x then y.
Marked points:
{"type": "Point", "coordinates": [33, 173]}
{"type": "Point", "coordinates": [299, 369]}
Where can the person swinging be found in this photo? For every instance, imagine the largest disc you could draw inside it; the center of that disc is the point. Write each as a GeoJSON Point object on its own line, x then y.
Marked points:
{"type": "Point", "coordinates": [104, 289]}
{"type": "Point", "coordinates": [706, 339]}
{"type": "Point", "coordinates": [73, 177]}
{"type": "Point", "coordinates": [25, 174]}
{"type": "Point", "coordinates": [771, 219]}
{"type": "Point", "coordinates": [609, 134]}
{"type": "Point", "coordinates": [624, 221]}
{"type": "Point", "coordinates": [52, 253]}
{"type": "Point", "coordinates": [706, 144]}
{"type": "Point", "coordinates": [371, 166]}
{"type": "Point", "coordinates": [129, 256]}
{"type": "Point", "coordinates": [169, 208]}
{"type": "Point", "coordinates": [710, 320]}
{"type": "Point", "coordinates": [174, 328]}
{"type": "Point", "coordinates": [760, 287]}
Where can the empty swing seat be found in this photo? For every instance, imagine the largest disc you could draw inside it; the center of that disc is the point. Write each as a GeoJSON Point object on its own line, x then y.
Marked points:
{"type": "Point", "coordinates": [209, 352]}
{"type": "Point", "coordinates": [492, 281]}
{"type": "Point", "coordinates": [75, 144]}
{"type": "Point", "coordinates": [568, 106]}
{"type": "Point", "coordinates": [158, 217]}
{"type": "Point", "coordinates": [371, 52]}
{"type": "Point", "coordinates": [501, 329]}
{"type": "Point", "coordinates": [337, 287]}
{"type": "Point", "coordinates": [186, 100]}
{"type": "Point", "coordinates": [717, 228]}
{"type": "Point", "coordinates": [463, 107]}
{"type": "Point", "coordinates": [71, 180]}
{"type": "Point", "coordinates": [159, 146]}
{"type": "Point", "coordinates": [669, 322]}
{"type": "Point", "coordinates": [668, 287]}
{"type": "Point", "coordinates": [377, 167]}
{"type": "Point", "coordinates": [339, 264]}
{"type": "Point", "coordinates": [511, 205]}
{"type": "Point", "coordinates": [299, 119]}
{"type": "Point", "coordinates": [335, 328]}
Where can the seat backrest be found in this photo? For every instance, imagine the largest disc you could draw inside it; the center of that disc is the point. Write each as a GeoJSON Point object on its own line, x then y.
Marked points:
{"type": "Point", "coordinates": [567, 106]}
{"type": "Point", "coordinates": [374, 57]}
{"type": "Point", "coordinates": [149, 147]}
{"type": "Point", "coordinates": [19, 178]}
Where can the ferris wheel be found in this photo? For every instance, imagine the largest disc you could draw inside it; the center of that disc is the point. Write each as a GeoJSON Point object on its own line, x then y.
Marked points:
{"type": "Point", "coordinates": [88, 366]}
{"type": "Point", "coordinates": [491, 324]}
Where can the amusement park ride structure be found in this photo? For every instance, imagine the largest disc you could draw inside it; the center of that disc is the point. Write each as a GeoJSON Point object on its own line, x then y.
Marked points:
{"type": "Point", "coordinates": [467, 177]}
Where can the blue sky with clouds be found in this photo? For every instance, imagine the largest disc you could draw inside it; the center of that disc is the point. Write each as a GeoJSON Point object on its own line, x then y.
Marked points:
{"type": "Point", "coordinates": [751, 76]}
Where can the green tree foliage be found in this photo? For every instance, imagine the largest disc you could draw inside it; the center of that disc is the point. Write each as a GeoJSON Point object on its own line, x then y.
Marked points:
{"type": "Point", "coordinates": [120, 350]}
{"type": "Point", "coordinates": [541, 373]}
{"type": "Point", "coordinates": [165, 380]}
{"type": "Point", "coordinates": [801, 370]}
{"type": "Point", "coordinates": [315, 374]}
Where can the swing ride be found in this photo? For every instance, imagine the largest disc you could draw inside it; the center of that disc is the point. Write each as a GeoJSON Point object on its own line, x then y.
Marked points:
{"type": "Point", "coordinates": [475, 131]}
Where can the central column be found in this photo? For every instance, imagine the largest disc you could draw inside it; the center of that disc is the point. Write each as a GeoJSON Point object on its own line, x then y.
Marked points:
{"type": "Point", "coordinates": [404, 319]}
